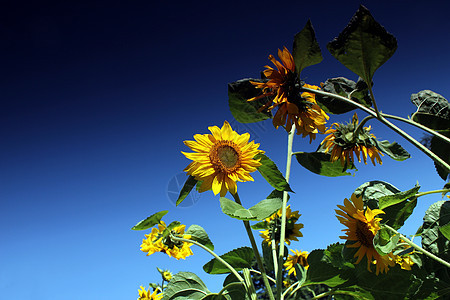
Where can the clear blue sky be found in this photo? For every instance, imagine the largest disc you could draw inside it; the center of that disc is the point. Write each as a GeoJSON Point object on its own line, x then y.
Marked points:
{"type": "Point", "coordinates": [97, 98]}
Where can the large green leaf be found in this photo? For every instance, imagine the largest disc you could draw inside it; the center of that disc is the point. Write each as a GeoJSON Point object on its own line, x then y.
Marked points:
{"type": "Point", "coordinates": [270, 172]}
{"type": "Point", "coordinates": [319, 163]}
{"type": "Point", "coordinates": [185, 285]}
{"type": "Point", "coordinates": [199, 234]}
{"type": "Point", "coordinates": [187, 188]}
{"type": "Point", "coordinates": [234, 292]}
{"type": "Point", "coordinates": [433, 110]}
{"type": "Point", "coordinates": [399, 197]}
{"type": "Point", "coordinates": [364, 45]}
{"type": "Point", "coordinates": [393, 150]}
{"type": "Point", "coordinates": [306, 50]}
{"type": "Point", "coordinates": [385, 241]}
{"type": "Point", "coordinates": [150, 221]}
{"type": "Point", "coordinates": [239, 259]}
{"type": "Point", "coordinates": [246, 111]}
{"type": "Point", "coordinates": [441, 149]}
{"type": "Point", "coordinates": [259, 211]}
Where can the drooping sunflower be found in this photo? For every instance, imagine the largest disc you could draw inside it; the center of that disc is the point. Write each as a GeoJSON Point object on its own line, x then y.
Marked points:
{"type": "Point", "coordinates": [362, 226]}
{"type": "Point", "coordinates": [156, 241]}
{"type": "Point", "coordinates": [297, 258]}
{"type": "Point", "coordinates": [283, 87]}
{"type": "Point", "coordinates": [344, 140]}
{"type": "Point", "coordinates": [221, 159]}
{"type": "Point", "coordinates": [274, 227]}
{"type": "Point", "coordinates": [145, 295]}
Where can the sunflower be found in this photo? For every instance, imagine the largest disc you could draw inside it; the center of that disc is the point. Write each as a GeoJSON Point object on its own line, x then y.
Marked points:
{"type": "Point", "coordinates": [158, 241]}
{"type": "Point", "coordinates": [274, 227]}
{"type": "Point", "coordinates": [145, 295]}
{"type": "Point", "coordinates": [344, 140]}
{"type": "Point", "coordinates": [405, 262]}
{"type": "Point", "coordinates": [362, 226]}
{"type": "Point", "coordinates": [166, 275]}
{"type": "Point", "coordinates": [221, 159]}
{"type": "Point", "coordinates": [283, 87]}
{"type": "Point", "coordinates": [297, 258]}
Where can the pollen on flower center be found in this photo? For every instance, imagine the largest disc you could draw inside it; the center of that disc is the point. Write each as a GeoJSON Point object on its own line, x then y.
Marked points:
{"type": "Point", "coordinates": [224, 157]}
{"type": "Point", "coordinates": [364, 234]}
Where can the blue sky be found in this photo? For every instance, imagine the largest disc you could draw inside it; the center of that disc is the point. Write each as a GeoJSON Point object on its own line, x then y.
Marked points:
{"type": "Point", "coordinates": [97, 98]}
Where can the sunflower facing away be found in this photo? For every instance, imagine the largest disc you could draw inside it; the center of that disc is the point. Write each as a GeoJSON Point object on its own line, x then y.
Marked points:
{"type": "Point", "coordinates": [297, 258]}
{"type": "Point", "coordinates": [221, 159]}
{"type": "Point", "coordinates": [283, 87]}
{"type": "Point", "coordinates": [274, 227]}
{"type": "Point", "coordinates": [343, 141]}
{"type": "Point", "coordinates": [156, 242]}
{"type": "Point", "coordinates": [145, 295]}
{"type": "Point", "coordinates": [362, 226]}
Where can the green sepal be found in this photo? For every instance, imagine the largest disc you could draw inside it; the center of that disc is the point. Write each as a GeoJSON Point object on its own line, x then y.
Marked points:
{"type": "Point", "coordinates": [259, 211]}
{"type": "Point", "coordinates": [385, 241]}
{"type": "Point", "coordinates": [247, 111]}
{"type": "Point", "coordinates": [433, 110]}
{"type": "Point", "coordinates": [271, 174]}
{"type": "Point", "coordinates": [396, 198]}
{"type": "Point", "coordinates": [199, 234]}
{"type": "Point", "coordinates": [364, 45]}
{"type": "Point", "coordinates": [393, 150]}
{"type": "Point", "coordinates": [150, 221]}
{"type": "Point", "coordinates": [319, 163]}
{"type": "Point", "coordinates": [306, 49]}
{"type": "Point", "coordinates": [169, 228]}
{"type": "Point", "coordinates": [239, 259]}
{"type": "Point", "coordinates": [187, 188]}
{"type": "Point", "coordinates": [185, 285]}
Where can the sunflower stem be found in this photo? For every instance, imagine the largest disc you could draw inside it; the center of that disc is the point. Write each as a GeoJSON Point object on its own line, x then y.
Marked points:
{"type": "Point", "coordinates": [360, 125]}
{"type": "Point", "coordinates": [418, 248]}
{"type": "Point", "coordinates": [255, 250]}
{"type": "Point", "coordinates": [274, 255]}
{"type": "Point", "coordinates": [431, 192]}
{"type": "Point", "coordinates": [279, 274]}
{"type": "Point", "coordinates": [373, 100]}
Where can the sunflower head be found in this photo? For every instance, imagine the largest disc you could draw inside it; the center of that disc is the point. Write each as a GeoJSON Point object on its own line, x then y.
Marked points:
{"type": "Point", "coordinates": [221, 159]}
{"type": "Point", "coordinates": [146, 295]}
{"type": "Point", "coordinates": [346, 139]}
{"type": "Point", "coordinates": [296, 258]}
{"type": "Point", "coordinates": [273, 231]}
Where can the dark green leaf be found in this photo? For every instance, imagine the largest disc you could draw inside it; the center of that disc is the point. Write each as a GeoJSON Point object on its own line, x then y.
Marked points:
{"type": "Point", "coordinates": [199, 234]}
{"type": "Point", "coordinates": [373, 190]}
{"type": "Point", "coordinates": [270, 172]}
{"type": "Point", "coordinates": [441, 149]}
{"type": "Point", "coordinates": [185, 285]}
{"type": "Point", "coordinates": [445, 230]}
{"type": "Point", "coordinates": [239, 259]}
{"type": "Point", "coordinates": [150, 221]}
{"type": "Point", "coordinates": [364, 45]}
{"type": "Point", "coordinates": [319, 163]}
{"type": "Point", "coordinates": [399, 197]}
{"type": "Point", "coordinates": [433, 110]}
{"type": "Point", "coordinates": [234, 292]}
{"type": "Point", "coordinates": [306, 50]}
{"type": "Point", "coordinates": [347, 88]}
{"type": "Point", "coordinates": [393, 150]}
{"type": "Point", "coordinates": [187, 187]}
{"type": "Point", "coordinates": [277, 194]}
{"type": "Point", "coordinates": [353, 292]}
{"type": "Point", "coordinates": [246, 111]}
{"type": "Point", "coordinates": [300, 273]}
{"type": "Point", "coordinates": [259, 211]}
{"type": "Point", "coordinates": [260, 225]}
{"type": "Point", "coordinates": [385, 241]}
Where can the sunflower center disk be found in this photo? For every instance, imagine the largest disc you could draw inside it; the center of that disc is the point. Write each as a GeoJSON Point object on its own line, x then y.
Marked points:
{"type": "Point", "coordinates": [228, 156]}
{"type": "Point", "coordinates": [364, 235]}
{"type": "Point", "coordinates": [224, 157]}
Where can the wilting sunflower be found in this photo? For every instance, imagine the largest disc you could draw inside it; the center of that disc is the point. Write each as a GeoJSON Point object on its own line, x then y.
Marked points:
{"type": "Point", "coordinates": [274, 227]}
{"type": "Point", "coordinates": [145, 295]}
{"type": "Point", "coordinates": [297, 258]}
{"type": "Point", "coordinates": [221, 159]}
{"type": "Point", "coordinates": [343, 141]}
{"type": "Point", "coordinates": [283, 87]}
{"type": "Point", "coordinates": [156, 241]}
{"type": "Point", "coordinates": [362, 226]}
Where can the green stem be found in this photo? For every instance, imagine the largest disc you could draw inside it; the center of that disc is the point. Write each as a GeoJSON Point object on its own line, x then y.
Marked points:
{"type": "Point", "coordinates": [373, 100]}
{"type": "Point", "coordinates": [255, 251]}
{"type": "Point", "coordinates": [274, 256]}
{"type": "Point", "coordinates": [258, 272]}
{"type": "Point", "coordinates": [432, 192]}
{"type": "Point", "coordinates": [227, 287]}
{"type": "Point", "coordinates": [279, 274]}
{"type": "Point", "coordinates": [291, 289]}
{"type": "Point", "coordinates": [360, 125]}
{"type": "Point", "coordinates": [418, 248]}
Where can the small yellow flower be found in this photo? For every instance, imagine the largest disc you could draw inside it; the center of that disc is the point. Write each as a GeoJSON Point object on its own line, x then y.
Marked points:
{"type": "Point", "coordinates": [167, 275]}
{"type": "Point", "coordinates": [405, 262]}
{"type": "Point", "coordinates": [362, 226]}
{"type": "Point", "coordinates": [274, 224]}
{"type": "Point", "coordinates": [221, 159]}
{"type": "Point", "coordinates": [343, 141]}
{"type": "Point", "coordinates": [157, 242]}
{"type": "Point", "coordinates": [297, 258]}
{"type": "Point", "coordinates": [145, 295]}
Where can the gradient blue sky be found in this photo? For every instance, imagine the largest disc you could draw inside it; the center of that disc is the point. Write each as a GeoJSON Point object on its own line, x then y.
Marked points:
{"type": "Point", "coordinates": [97, 97]}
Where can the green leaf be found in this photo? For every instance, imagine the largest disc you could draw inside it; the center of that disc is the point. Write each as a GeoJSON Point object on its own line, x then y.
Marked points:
{"type": "Point", "coordinates": [199, 234]}
{"type": "Point", "coordinates": [150, 221]}
{"type": "Point", "coordinates": [433, 110]}
{"type": "Point", "coordinates": [433, 240]}
{"type": "Point", "coordinates": [393, 150]}
{"type": "Point", "coordinates": [259, 211]}
{"type": "Point", "coordinates": [277, 194]}
{"type": "Point", "coordinates": [319, 163]}
{"type": "Point", "coordinates": [399, 197]}
{"type": "Point", "coordinates": [445, 230]}
{"type": "Point", "coordinates": [373, 190]}
{"type": "Point", "coordinates": [235, 292]}
{"type": "Point", "coordinates": [270, 172]}
{"type": "Point", "coordinates": [187, 188]}
{"type": "Point", "coordinates": [247, 111]}
{"type": "Point", "coordinates": [364, 45]}
{"type": "Point", "coordinates": [260, 226]}
{"type": "Point", "coordinates": [185, 285]}
{"type": "Point", "coordinates": [300, 273]}
{"type": "Point", "coordinates": [353, 292]}
{"type": "Point", "coordinates": [385, 241]}
{"type": "Point", "coordinates": [356, 91]}
{"type": "Point", "coordinates": [239, 259]}
{"type": "Point", "coordinates": [306, 50]}
{"type": "Point", "coordinates": [441, 149]}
